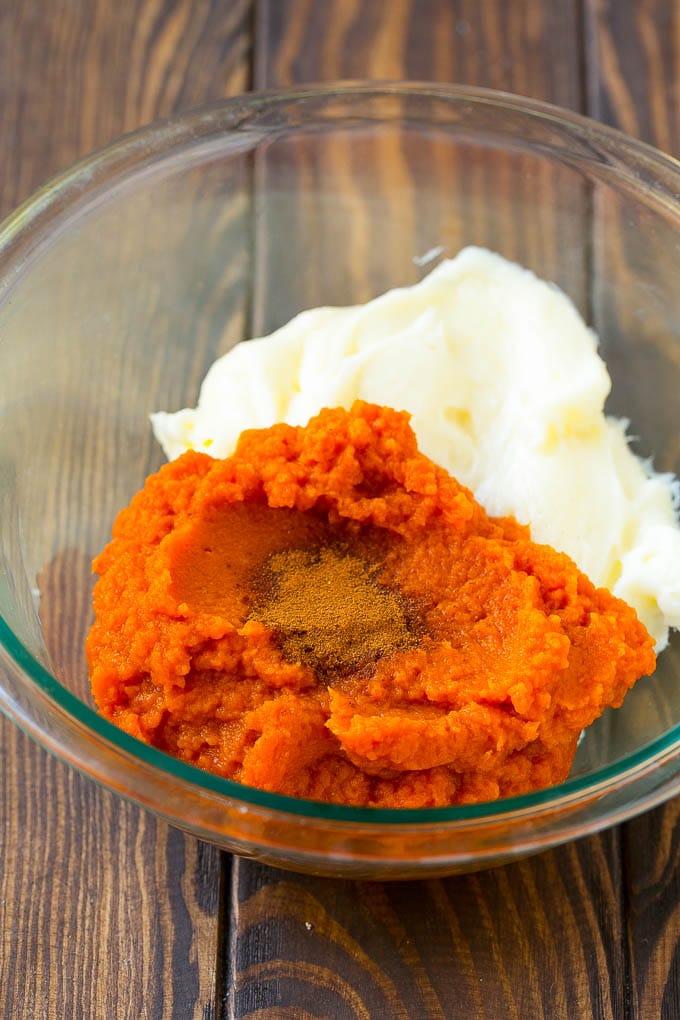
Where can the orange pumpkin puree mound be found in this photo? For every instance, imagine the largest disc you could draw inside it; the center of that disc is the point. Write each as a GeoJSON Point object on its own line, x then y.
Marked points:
{"type": "Point", "coordinates": [328, 614]}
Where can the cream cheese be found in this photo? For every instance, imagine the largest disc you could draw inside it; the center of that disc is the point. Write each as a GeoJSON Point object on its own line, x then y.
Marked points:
{"type": "Point", "coordinates": [506, 391]}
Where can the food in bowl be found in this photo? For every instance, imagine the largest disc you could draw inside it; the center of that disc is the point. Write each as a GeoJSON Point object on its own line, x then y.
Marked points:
{"type": "Point", "coordinates": [328, 614]}
{"type": "Point", "coordinates": [308, 604]}
{"type": "Point", "coordinates": [506, 391]}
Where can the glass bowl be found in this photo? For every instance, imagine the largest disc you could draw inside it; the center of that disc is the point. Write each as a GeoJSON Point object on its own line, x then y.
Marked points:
{"type": "Point", "coordinates": [124, 278]}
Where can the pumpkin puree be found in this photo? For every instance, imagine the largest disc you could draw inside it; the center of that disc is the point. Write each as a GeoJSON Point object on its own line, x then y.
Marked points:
{"type": "Point", "coordinates": [464, 669]}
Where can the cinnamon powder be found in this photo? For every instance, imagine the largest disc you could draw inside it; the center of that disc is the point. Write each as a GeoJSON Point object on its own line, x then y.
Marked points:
{"type": "Point", "coordinates": [328, 611]}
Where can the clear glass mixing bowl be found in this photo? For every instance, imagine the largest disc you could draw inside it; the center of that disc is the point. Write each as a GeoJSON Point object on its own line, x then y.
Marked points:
{"type": "Point", "coordinates": [123, 279]}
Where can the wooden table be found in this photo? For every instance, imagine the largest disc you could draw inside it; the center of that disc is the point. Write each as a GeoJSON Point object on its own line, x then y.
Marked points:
{"type": "Point", "coordinates": [106, 912]}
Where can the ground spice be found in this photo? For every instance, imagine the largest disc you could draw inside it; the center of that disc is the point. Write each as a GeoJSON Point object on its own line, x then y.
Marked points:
{"type": "Point", "coordinates": [328, 611]}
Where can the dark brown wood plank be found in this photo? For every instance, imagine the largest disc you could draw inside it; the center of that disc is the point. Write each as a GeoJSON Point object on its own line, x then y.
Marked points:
{"type": "Point", "coordinates": [541, 938]}
{"type": "Point", "coordinates": [527, 48]}
{"type": "Point", "coordinates": [634, 56]}
{"type": "Point", "coordinates": [533, 939]}
{"type": "Point", "coordinates": [652, 874]}
{"type": "Point", "coordinates": [104, 911]}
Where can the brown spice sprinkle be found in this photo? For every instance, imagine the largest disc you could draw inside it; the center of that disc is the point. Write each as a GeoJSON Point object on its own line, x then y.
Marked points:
{"type": "Point", "coordinates": [328, 614]}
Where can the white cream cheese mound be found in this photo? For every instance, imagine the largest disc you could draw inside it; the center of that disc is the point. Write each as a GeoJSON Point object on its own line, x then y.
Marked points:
{"type": "Point", "coordinates": [506, 391]}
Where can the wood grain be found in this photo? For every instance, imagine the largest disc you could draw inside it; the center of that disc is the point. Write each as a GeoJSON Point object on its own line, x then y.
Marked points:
{"type": "Point", "coordinates": [104, 911]}
{"type": "Point", "coordinates": [634, 61]}
{"type": "Point", "coordinates": [518, 47]}
{"type": "Point", "coordinates": [633, 68]}
{"type": "Point", "coordinates": [545, 937]}
{"type": "Point", "coordinates": [484, 946]}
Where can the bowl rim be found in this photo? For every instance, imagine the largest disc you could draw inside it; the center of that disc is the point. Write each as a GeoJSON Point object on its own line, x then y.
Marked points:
{"type": "Point", "coordinates": [186, 126]}
{"type": "Point", "coordinates": [59, 195]}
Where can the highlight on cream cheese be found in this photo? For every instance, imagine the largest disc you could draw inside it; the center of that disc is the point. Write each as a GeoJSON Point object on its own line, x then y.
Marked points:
{"type": "Point", "coordinates": [506, 391]}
